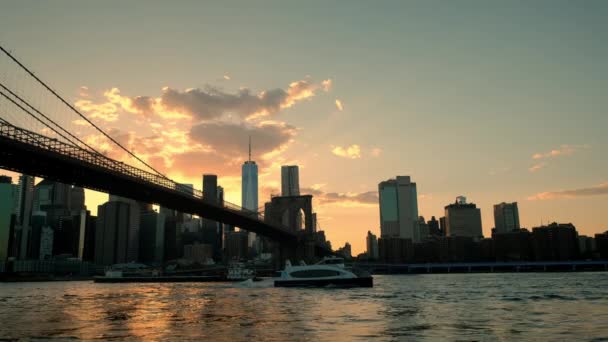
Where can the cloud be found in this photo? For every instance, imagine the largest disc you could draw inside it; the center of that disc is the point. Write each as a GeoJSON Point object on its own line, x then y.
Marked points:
{"type": "Point", "coordinates": [537, 167]}
{"type": "Point", "coordinates": [339, 105]}
{"type": "Point", "coordinates": [368, 198]}
{"type": "Point", "coordinates": [232, 139]}
{"type": "Point", "coordinates": [376, 152]}
{"type": "Point", "coordinates": [226, 77]}
{"type": "Point", "coordinates": [352, 151]}
{"type": "Point", "coordinates": [213, 103]}
{"type": "Point", "coordinates": [600, 189]}
{"type": "Point", "coordinates": [563, 150]}
{"type": "Point", "coordinates": [327, 84]}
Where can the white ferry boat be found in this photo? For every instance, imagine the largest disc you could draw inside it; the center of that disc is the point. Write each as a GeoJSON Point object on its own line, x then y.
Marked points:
{"type": "Point", "coordinates": [327, 272]}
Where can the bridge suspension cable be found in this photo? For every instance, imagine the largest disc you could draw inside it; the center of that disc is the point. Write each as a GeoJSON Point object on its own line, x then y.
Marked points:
{"type": "Point", "coordinates": [73, 109]}
{"type": "Point", "coordinates": [45, 117]}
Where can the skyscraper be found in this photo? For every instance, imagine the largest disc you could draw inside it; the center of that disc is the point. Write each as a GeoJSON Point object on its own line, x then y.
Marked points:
{"type": "Point", "coordinates": [506, 217]}
{"type": "Point", "coordinates": [211, 234]}
{"type": "Point", "coordinates": [249, 188]}
{"type": "Point", "coordinates": [290, 180]}
{"type": "Point", "coordinates": [25, 199]}
{"type": "Point", "coordinates": [372, 245]}
{"type": "Point", "coordinates": [463, 219]}
{"type": "Point", "coordinates": [112, 233]}
{"type": "Point", "coordinates": [7, 201]}
{"type": "Point", "coordinates": [133, 225]}
{"type": "Point", "coordinates": [399, 209]}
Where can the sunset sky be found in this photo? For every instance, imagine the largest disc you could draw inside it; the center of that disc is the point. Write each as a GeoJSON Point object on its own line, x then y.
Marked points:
{"type": "Point", "coordinates": [494, 100]}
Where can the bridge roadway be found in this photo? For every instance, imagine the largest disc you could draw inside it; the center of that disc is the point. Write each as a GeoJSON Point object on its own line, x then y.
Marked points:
{"type": "Point", "coordinates": [37, 155]}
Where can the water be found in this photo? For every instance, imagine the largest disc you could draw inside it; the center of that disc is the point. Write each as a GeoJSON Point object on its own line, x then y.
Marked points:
{"type": "Point", "coordinates": [540, 306]}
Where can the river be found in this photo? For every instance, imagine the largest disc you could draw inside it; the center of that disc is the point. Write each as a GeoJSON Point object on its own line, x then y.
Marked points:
{"type": "Point", "coordinates": [531, 306]}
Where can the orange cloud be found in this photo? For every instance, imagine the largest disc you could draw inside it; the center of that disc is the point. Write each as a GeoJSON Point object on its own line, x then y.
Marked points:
{"type": "Point", "coordinates": [600, 189]}
{"type": "Point", "coordinates": [352, 151]}
{"type": "Point", "coordinates": [339, 105]}
{"type": "Point", "coordinates": [563, 150]}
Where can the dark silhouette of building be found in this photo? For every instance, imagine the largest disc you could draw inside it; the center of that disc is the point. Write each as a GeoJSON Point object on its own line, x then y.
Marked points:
{"type": "Point", "coordinates": [601, 245]}
{"type": "Point", "coordinates": [152, 237]}
{"type": "Point", "coordinates": [513, 246]}
{"type": "Point", "coordinates": [555, 242]}
{"type": "Point", "coordinates": [237, 245]}
{"type": "Point", "coordinates": [395, 250]}
{"type": "Point", "coordinates": [112, 233]}
{"type": "Point", "coordinates": [434, 229]}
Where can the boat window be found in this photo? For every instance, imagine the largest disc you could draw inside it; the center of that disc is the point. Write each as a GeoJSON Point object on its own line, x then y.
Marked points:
{"type": "Point", "coordinates": [314, 273]}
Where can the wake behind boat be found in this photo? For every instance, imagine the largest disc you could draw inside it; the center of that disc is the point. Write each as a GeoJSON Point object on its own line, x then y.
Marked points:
{"type": "Point", "coordinates": [327, 272]}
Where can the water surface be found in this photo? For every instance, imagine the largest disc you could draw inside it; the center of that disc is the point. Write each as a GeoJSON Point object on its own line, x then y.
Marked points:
{"type": "Point", "coordinates": [533, 306]}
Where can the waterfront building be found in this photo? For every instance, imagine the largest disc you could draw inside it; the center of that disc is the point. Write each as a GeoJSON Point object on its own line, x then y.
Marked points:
{"type": "Point", "coordinates": [586, 247]}
{"type": "Point", "coordinates": [152, 238]}
{"type": "Point", "coordinates": [555, 242]}
{"type": "Point", "coordinates": [198, 252]}
{"type": "Point", "coordinates": [112, 233]}
{"type": "Point", "coordinates": [290, 180]}
{"type": "Point", "coordinates": [506, 217]}
{"type": "Point", "coordinates": [23, 211]}
{"type": "Point", "coordinates": [210, 229]}
{"type": "Point", "coordinates": [249, 189]}
{"type": "Point", "coordinates": [399, 209]}
{"type": "Point", "coordinates": [601, 245]}
{"type": "Point", "coordinates": [46, 243]}
{"type": "Point", "coordinates": [515, 245]}
{"type": "Point", "coordinates": [7, 206]}
{"type": "Point", "coordinates": [463, 219]}
{"type": "Point", "coordinates": [424, 229]}
{"type": "Point", "coordinates": [372, 245]}
{"type": "Point", "coordinates": [434, 229]}
{"type": "Point", "coordinates": [345, 251]}
{"type": "Point", "coordinates": [237, 245]}
{"type": "Point", "coordinates": [395, 250]}
{"type": "Point", "coordinates": [135, 210]}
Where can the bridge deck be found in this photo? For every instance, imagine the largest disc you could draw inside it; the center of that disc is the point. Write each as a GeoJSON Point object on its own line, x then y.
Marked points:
{"type": "Point", "coordinates": [37, 155]}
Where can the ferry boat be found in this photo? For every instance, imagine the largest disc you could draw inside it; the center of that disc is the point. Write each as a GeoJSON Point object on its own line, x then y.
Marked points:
{"type": "Point", "coordinates": [327, 272]}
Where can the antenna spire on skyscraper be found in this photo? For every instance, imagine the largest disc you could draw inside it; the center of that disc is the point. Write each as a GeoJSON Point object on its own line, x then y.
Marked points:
{"type": "Point", "coordinates": [250, 148]}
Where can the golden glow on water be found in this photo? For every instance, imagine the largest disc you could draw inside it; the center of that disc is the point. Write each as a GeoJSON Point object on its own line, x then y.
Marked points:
{"type": "Point", "coordinates": [548, 306]}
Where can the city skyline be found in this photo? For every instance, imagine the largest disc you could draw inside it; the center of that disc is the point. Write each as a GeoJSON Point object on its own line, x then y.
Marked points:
{"type": "Point", "coordinates": [476, 96]}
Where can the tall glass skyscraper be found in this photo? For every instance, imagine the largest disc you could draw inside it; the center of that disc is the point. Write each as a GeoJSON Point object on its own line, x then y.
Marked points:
{"type": "Point", "coordinates": [25, 202]}
{"type": "Point", "coordinates": [249, 188]}
{"type": "Point", "coordinates": [290, 180]}
{"type": "Point", "coordinates": [506, 217]}
{"type": "Point", "coordinates": [399, 209]}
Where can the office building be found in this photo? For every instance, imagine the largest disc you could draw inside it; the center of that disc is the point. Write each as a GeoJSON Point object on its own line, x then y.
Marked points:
{"type": "Point", "coordinates": [249, 189]}
{"type": "Point", "coordinates": [133, 224]}
{"type": "Point", "coordinates": [152, 238]}
{"type": "Point", "coordinates": [372, 246]}
{"type": "Point", "coordinates": [434, 229]}
{"type": "Point", "coordinates": [463, 219]}
{"type": "Point", "coordinates": [506, 217]}
{"type": "Point", "coordinates": [46, 243]}
{"type": "Point", "coordinates": [290, 180]}
{"type": "Point", "coordinates": [23, 211]}
{"type": "Point", "coordinates": [237, 245]}
{"type": "Point", "coordinates": [112, 233]}
{"type": "Point", "coordinates": [601, 245]}
{"type": "Point", "coordinates": [555, 242]}
{"type": "Point", "coordinates": [7, 206]}
{"type": "Point", "coordinates": [211, 229]}
{"type": "Point", "coordinates": [399, 209]}
{"type": "Point", "coordinates": [200, 253]}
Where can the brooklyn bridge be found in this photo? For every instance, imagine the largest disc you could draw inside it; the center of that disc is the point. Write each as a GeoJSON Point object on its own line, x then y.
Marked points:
{"type": "Point", "coordinates": [38, 139]}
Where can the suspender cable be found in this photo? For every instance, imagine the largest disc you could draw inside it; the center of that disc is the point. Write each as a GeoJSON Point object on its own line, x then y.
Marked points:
{"type": "Point", "coordinates": [79, 113]}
